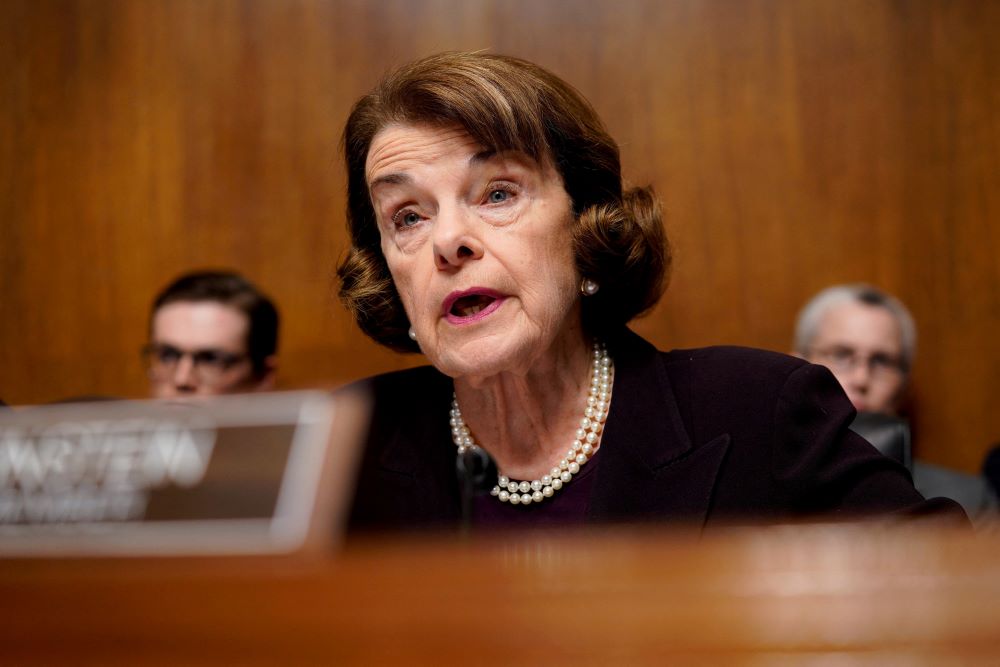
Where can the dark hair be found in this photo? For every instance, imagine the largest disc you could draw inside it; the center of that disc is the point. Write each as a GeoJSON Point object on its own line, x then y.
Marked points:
{"type": "Point", "coordinates": [507, 103]}
{"type": "Point", "coordinates": [230, 289]}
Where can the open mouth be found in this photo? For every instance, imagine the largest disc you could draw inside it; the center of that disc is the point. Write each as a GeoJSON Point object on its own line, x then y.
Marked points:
{"type": "Point", "coordinates": [471, 304]}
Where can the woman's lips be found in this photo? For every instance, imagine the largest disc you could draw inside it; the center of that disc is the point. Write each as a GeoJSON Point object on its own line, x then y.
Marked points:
{"type": "Point", "coordinates": [471, 305]}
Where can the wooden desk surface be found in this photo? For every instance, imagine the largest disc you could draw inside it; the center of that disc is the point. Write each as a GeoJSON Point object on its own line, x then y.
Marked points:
{"type": "Point", "coordinates": [780, 595]}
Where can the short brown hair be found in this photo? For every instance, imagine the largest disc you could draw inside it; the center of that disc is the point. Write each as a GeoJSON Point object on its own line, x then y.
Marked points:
{"type": "Point", "coordinates": [229, 289]}
{"type": "Point", "coordinates": [506, 103]}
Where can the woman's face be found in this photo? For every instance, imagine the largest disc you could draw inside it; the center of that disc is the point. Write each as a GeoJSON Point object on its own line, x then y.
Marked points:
{"type": "Point", "coordinates": [479, 247]}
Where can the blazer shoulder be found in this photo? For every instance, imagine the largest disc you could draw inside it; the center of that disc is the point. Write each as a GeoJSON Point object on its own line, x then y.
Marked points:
{"type": "Point", "coordinates": [406, 380]}
{"type": "Point", "coordinates": [406, 392]}
{"type": "Point", "coordinates": [735, 360]}
{"type": "Point", "coordinates": [738, 380]}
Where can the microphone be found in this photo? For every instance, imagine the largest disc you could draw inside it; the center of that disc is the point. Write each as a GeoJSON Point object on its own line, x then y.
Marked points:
{"type": "Point", "coordinates": [476, 475]}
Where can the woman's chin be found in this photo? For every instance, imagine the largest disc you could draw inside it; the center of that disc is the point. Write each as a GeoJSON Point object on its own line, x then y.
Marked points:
{"type": "Point", "coordinates": [479, 359]}
{"type": "Point", "coordinates": [458, 366]}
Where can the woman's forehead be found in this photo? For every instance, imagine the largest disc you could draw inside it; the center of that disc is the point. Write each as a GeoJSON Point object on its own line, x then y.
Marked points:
{"type": "Point", "coordinates": [399, 147]}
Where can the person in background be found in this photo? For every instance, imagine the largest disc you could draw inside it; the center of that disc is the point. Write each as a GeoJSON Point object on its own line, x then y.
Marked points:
{"type": "Point", "coordinates": [867, 338]}
{"type": "Point", "coordinates": [211, 332]}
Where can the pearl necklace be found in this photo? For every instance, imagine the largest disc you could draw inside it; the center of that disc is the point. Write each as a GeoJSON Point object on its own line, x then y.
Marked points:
{"type": "Point", "coordinates": [585, 443]}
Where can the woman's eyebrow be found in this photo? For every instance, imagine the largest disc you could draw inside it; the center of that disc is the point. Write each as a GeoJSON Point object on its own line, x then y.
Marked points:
{"type": "Point", "coordinates": [502, 157]}
{"type": "Point", "coordinates": [482, 156]}
{"type": "Point", "coordinates": [389, 179]}
{"type": "Point", "coordinates": [509, 155]}
{"type": "Point", "coordinates": [475, 160]}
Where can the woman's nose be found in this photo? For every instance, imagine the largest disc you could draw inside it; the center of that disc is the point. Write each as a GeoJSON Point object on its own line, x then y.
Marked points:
{"type": "Point", "coordinates": [455, 239]}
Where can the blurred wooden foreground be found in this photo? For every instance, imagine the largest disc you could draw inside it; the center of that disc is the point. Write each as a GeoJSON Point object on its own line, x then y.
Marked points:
{"type": "Point", "coordinates": [785, 595]}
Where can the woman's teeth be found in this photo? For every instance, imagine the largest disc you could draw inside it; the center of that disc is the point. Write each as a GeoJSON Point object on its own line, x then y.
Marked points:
{"type": "Point", "coordinates": [470, 305]}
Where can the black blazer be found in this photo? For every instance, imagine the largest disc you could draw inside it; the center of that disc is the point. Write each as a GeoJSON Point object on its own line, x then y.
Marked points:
{"type": "Point", "coordinates": [703, 437]}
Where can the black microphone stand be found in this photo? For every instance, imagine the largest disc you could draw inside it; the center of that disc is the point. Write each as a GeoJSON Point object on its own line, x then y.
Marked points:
{"type": "Point", "coordinates": [476, 475]}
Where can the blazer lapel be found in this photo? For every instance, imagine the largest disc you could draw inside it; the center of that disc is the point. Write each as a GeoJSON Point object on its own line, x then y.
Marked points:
{"type": "Point", "coordinates": [649, 467]}
{"type": "Point", "coordinates": [417, 465]}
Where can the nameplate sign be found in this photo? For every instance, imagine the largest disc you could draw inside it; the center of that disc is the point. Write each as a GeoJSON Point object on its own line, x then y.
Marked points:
{"type": "Point", "coordinates": [226, 475]}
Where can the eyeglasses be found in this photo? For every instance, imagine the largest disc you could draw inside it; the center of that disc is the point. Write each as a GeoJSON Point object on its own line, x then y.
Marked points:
{"type": "Point", "coordinates": [845, 360]}
{"type": "Point", "coordinates": [208, 365]}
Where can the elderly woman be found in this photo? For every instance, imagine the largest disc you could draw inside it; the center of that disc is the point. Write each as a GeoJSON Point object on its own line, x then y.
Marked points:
{"type": "Point", "coordinates": [491, 231]}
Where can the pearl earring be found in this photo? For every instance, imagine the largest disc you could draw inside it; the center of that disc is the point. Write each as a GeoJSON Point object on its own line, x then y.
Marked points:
{"type": "Point", "coordinates": [412, 334]}
{"type": "Point", "coordinates": [589, 287]}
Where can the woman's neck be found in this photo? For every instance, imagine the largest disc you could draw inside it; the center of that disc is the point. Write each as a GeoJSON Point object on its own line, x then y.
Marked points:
{"type": "Point", "coordinates": [526, 421]}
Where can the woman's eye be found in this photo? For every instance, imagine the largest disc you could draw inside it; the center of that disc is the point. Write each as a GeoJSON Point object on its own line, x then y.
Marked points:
{"type": "Point", "coordinates": [500, 192]}
{"type": "Point", "coordinates": [498, 196]}
{"type": "Point", "coordinates": [406, 218]}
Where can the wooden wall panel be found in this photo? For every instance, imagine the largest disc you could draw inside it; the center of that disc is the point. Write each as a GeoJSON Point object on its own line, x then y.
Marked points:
{"type": "Point", "coordinates": [795, 145]}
